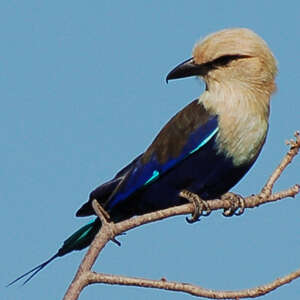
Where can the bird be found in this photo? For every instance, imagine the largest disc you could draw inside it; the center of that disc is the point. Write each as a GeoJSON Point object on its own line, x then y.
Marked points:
{"type": "Point", "coordinates": [206, 148]}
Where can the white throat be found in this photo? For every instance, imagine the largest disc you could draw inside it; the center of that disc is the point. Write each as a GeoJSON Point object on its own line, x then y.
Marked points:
{"type": "Point", "coordinates": [243, 119]}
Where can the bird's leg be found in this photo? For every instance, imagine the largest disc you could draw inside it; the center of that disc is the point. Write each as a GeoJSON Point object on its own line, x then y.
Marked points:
{"type": "Point", "coordinates": [237, 204]}
{"type": "Point", "coordinates": [199, 205]}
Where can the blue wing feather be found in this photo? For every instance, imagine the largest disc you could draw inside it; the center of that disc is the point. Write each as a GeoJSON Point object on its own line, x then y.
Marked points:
{"type": "Point", "coordinates": [142, 174]}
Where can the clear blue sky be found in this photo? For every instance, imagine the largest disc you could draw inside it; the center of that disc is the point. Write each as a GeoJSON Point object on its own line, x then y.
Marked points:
{"type": "Point", "coordinates": [83, 92]}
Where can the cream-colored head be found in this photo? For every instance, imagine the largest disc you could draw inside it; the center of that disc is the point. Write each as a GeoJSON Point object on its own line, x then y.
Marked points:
{"type": "Point", "coordinates": [239, 70]}
{"type": "Point", "coordinates": [236, 54]}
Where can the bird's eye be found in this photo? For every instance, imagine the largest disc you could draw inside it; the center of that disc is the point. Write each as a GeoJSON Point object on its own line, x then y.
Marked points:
{"type": "Point", "coordinates": [226, 59]}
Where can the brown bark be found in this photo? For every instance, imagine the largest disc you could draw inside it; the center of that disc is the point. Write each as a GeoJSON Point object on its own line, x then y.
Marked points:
{"type": "Point", "coordinates": [109, 231]}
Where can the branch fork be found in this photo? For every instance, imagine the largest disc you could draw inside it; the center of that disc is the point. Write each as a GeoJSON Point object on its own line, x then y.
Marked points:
{"type": "Point", "coordinates": [110, 230]}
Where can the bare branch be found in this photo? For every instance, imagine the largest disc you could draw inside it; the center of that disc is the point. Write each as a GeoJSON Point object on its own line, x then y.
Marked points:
{"type": "Point", "coordinates": [102, 238]}
{"type": "Point", "coordinates": [109, 231]}
{"type": "Point", "coordinates": [190, 288]}
{"type": "Point", "coordinates": [294, 149]}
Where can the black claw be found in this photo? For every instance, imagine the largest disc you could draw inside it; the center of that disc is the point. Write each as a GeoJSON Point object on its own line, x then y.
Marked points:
{"type": "Point", "coordinates": [237, 205]}
{"type": "Point", "coordinates": [199, 206]}
{"type": "Point", "coordinates": [241, 208]}
{"type": "Point", "coordinates": [193, 219]}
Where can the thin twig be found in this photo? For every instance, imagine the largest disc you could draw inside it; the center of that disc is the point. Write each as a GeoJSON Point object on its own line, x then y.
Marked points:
{"type": "Point", "coordinates": [190, 288]}
{"type": "Point", "coordinates": [109, 230]}
{"type": "Point", "coordinates": [103, 236]}
{"type": "Point", "coordinates": [293, 151]}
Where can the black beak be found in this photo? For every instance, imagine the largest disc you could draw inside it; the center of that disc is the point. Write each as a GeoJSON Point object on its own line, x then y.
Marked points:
{"type": "Point", "coordinates": [186, 69]}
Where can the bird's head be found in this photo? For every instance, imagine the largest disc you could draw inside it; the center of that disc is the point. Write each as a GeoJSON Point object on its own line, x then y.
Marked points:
{"type": "Point", "coordinates": [236, 55]}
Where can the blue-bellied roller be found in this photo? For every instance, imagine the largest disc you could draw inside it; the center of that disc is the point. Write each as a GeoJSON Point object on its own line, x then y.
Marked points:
{"type": "Point", "coordinates": [206, 148]}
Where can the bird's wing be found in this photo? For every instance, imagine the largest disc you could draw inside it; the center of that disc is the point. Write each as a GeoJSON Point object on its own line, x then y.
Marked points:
{"type": "Point", "coordinates": [103, 192]}
{"type": "Point", "coordinates": [186, 133]}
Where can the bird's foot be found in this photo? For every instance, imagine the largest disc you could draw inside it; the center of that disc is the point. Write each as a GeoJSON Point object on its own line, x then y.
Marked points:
{"type": "Point", "coordinates": [237, 205]}
{"type": "Point", "coordinates": [199, 206]}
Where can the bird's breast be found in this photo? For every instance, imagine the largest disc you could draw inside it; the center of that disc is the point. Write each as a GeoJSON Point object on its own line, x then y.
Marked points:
{"type": "Point", "coordinates": [241, 137]}
{"type": "Point", "coordinates": [243, 123]}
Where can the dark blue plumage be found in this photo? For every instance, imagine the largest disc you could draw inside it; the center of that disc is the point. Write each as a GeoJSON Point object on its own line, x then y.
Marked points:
{"type": "Point", "coordinates": [160, 161]}
{"type": "Point", "coordinates": [154, 180]}
{"type": "Point", "coordinates": [206, 148]}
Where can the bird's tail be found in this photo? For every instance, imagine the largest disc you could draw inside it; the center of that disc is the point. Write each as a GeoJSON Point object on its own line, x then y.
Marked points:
{"type": "Point", "coordinates": [77, 241]}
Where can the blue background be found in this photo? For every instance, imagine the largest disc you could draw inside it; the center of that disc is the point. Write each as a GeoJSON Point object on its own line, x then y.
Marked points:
{"type": "Point", "coordinates": [82, 93]}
